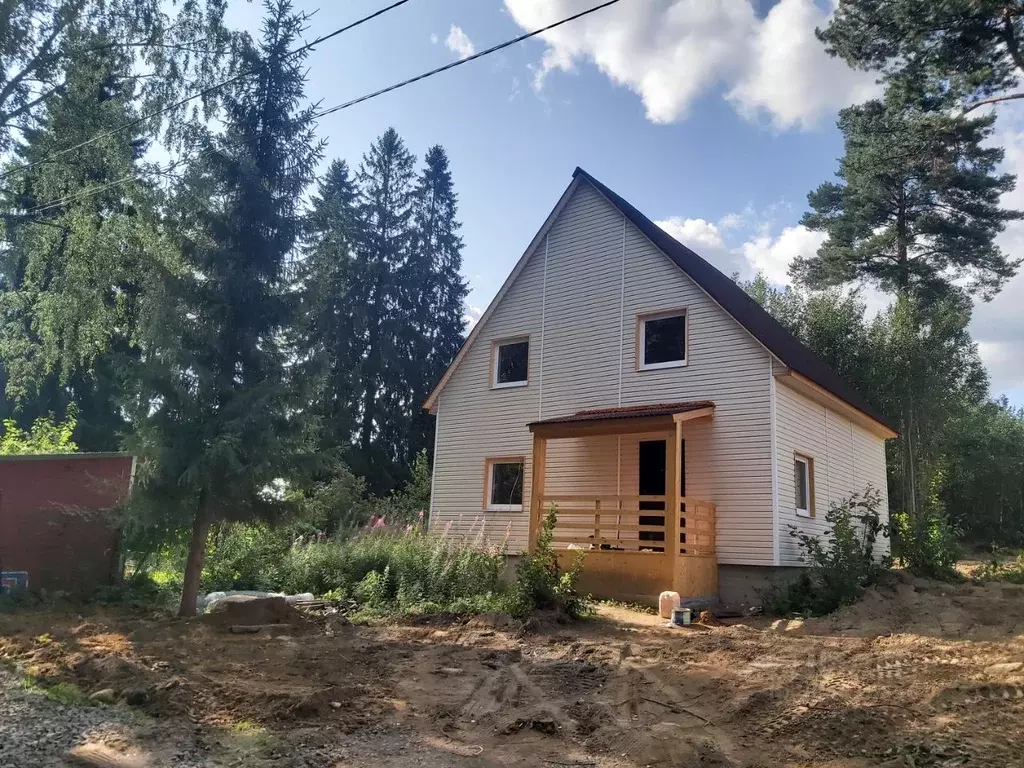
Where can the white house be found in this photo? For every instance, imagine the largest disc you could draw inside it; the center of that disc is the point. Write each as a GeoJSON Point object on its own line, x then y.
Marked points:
{"type": "Point", "coordinates": [617, 375]}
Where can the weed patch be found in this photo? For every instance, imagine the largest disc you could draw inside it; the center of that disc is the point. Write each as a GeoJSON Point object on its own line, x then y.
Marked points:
{"type": "Point", "coordinates": [842, 562]}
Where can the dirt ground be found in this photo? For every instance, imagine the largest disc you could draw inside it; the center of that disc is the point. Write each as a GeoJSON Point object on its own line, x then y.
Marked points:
{"type": "Point", "coordinates": [917, 674]}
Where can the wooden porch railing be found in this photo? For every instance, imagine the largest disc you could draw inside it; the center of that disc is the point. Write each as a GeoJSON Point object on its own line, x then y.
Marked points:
{"type": "Point", "coordinates": [612, 523]}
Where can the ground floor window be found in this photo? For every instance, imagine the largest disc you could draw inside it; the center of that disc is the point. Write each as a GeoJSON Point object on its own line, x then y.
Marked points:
{"type": "Point", "coordinates": [803, 478]}
{"type": "Point", "coordinates": [503, 484]}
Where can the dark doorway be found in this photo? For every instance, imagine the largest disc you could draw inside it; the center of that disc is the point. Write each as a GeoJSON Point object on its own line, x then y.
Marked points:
{"type": "Point", "coordinates": [652, 483]}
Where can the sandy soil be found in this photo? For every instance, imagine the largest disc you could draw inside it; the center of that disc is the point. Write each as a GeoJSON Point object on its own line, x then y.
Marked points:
{"type": "Point", "coordinates": [917, 674]}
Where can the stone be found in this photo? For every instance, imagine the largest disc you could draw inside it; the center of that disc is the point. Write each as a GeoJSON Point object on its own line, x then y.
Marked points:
{"type": "Point", "coordinates": [104, 696]}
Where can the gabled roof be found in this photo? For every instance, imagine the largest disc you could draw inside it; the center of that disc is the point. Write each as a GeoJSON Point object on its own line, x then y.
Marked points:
{"type": "Point", "coordinates": [722, 289]}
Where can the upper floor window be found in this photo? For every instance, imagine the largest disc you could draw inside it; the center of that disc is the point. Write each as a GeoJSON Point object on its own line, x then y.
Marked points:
{"type": "Point", "coordinates": [510, 362]}
{"type": "Point", "coordinates": [661, 340]}
{"type": "Point", "coordinates": [803, 484]}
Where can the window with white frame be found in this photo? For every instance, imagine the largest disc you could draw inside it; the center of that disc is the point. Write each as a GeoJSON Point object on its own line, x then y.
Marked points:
{"type": "Point", "coordinates": [803, 483]}
{"type": "Point", "coordinates": [661, 340]}
{"type": "Point", "coordinates": [503, 490]}
{"type": "Point", "coordinates": [510, 365]}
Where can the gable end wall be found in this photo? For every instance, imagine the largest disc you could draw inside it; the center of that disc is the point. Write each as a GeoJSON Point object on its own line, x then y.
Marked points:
{"type": "Point", "coordinates": [578, 297]}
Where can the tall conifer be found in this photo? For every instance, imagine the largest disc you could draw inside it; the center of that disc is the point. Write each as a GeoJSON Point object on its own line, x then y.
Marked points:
{"type": "Point", "coordinates": [218, 427]}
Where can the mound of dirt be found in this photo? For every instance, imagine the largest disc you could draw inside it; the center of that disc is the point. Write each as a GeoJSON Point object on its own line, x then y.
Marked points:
{"type": "Point", "coordinates": [243, 610]}
{"type": "Point", "coordinates": [910, 605]}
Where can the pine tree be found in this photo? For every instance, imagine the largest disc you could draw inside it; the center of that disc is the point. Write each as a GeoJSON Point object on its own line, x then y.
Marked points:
{"type": "Point", "coordinates": [918, 209]}
{"type": "Point", "coordinates": [962, 52]}
{"type": "Point", "coordinates": [385, 206]}
{"type": "Point", "coordinates": [436, 293]}
{"type": "Point", "coordinates": [217, 422]}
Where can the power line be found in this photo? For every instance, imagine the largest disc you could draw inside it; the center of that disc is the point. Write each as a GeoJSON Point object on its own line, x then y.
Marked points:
{"type": "Point", "coordinates": [466, 60]}
{"type": "Point", "coordinates": [337, 108]}
{"type": "Point", "coordinates": [199, 94]}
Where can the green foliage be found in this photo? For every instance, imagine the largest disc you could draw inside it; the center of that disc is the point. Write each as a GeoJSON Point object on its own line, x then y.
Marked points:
{"type": "Point", "coordinates": [381, 307]}
{"type": "Point", "coordinates": [218, 426]}
{"type": "Point", "coordinates": [245, 557]}
{"type": "Point", "coordinates": [948, 53]}
{"type": "Point", "coordinates": [998, 569]}
{"type": "Point", "coordinates": [64, 693]}
{"type": "Point", "coordinates": [926, 542]}
{"type": "Point", "coordinates": [43, 39]}
{"type": "Point", "coordinates": [918, 207]}
{"type": "Point", "coordinates": [386, 570]}
{"type": "Point", "coordinates": [542, 585]}
{"type": "Point", "coordinates": [44, 437]}
{"type": "Point", "coordinates": [841, 562]}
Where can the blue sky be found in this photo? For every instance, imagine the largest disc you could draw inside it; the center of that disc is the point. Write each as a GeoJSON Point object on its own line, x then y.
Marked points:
{"type": "Point", "coordinates": [713, 116]}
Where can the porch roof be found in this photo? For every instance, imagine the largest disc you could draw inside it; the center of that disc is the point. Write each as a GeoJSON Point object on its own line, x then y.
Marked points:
{"type": "Point", "coordinates": [623, 420]}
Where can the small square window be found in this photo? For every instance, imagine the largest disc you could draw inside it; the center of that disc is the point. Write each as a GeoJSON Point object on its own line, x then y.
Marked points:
{"type": "Point", "coordinates": [803, 484]}
{"type": "Point", "coordinates": [662, 342]}
{"type": "Point", "coordinates": [504, 491]}
{"type": "Point", "coordinates": [511, 363]}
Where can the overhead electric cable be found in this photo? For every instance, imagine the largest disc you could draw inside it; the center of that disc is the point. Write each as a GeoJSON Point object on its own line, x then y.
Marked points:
{"type": "Point", "coordinates": [352, 102]}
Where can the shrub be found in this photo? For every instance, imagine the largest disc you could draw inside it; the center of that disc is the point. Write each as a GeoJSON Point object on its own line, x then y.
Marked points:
{"type": "Point", "coordinates": [997, 569]}
{"type": "Point", "coordinates": [842, 562]}
{"type": "Point", "coordinates": [926, 543]}
{"type": "Point", "coordinates": [541, 585]}
{"type": "Point", "coordinates": [245, 557]}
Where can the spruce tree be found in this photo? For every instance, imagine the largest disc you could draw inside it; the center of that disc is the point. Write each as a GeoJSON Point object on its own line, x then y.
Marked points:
{"type": "Point", "coordinates": [217, 422]}
{"type": "Point", "coordinates": [385, 206]}
{"type": "Point", "coordinates": [918, 208]}
{"type": "Point", "coordinates": [328, 345]}
{"type": "Point", "coordinates": [436, 293]}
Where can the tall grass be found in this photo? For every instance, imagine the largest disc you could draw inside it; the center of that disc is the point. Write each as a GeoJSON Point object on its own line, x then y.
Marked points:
{"type": "Point", "coordinates": [382, 567]}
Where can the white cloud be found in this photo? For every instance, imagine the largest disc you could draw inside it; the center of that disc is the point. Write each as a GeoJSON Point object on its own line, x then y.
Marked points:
{"type": "Point", "coordinates": [705, 238]}
{"type": "Point", "coordinates": [471, 316]}
{"type": "Point", "coordinates": [998, 326]}
{"type": "Point", "coordinates": [458, 42]}
{"type": "Point", "coordinates": [434, 38]}
{"type": "Point", "coordinates": [672, 52]}
{"type": "Point", "coordinates": [773, 255]}
{"type": "Point", "coordinates": [790, 78]}
{"type": "Point", "coordinates": [762, 251]}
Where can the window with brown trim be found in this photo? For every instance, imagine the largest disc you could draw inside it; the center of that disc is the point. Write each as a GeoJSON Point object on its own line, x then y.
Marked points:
{"type": "Point", "coordinates": [510, 362]}
{"type": "Point", "coordinates": [503, 484]}
{"type": "Point", "coordinates": [803, 484]}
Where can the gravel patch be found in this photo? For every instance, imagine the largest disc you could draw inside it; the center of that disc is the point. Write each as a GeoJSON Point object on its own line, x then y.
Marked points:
{"type": "Point", "coordinates": [38, 732]}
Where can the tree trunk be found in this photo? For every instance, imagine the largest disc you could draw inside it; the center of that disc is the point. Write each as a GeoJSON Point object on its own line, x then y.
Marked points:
{"type": "Point", "coordinates": [196, 558]}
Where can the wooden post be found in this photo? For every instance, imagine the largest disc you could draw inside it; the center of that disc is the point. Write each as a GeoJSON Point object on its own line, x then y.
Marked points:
{"type": "Point", "coordinates": [672, 502]}
{"type": "Point", "coordinates": [597, 523]}
{"type": "Point", "coordinates": [540, 461]}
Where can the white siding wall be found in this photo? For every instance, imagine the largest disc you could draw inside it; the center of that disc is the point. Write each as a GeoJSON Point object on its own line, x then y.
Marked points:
{"type": "Point", "coordinates": [600, 274]}
{"type": "Point", "coordinates": [846, 457]}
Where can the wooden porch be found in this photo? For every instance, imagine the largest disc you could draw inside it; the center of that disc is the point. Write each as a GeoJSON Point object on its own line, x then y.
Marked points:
{"type": "Point", "coordinates": [635, 547]}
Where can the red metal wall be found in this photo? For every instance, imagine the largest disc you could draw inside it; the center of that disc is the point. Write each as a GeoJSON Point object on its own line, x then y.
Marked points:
{"type": "Point", "coordinates": [53, 520]}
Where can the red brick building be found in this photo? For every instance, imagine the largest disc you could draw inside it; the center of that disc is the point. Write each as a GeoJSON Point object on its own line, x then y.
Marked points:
{"type": "Point", "coordinates": [54, 517]}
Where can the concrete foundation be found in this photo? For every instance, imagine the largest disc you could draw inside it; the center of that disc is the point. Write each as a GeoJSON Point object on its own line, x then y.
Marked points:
{"type": "Point", "coordinates": [745, 584]}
